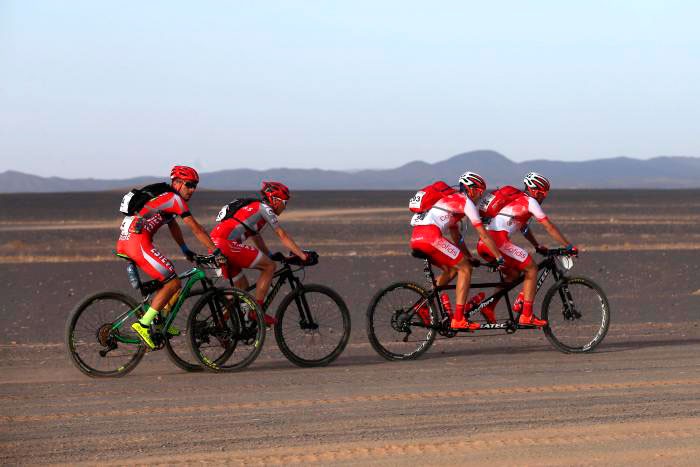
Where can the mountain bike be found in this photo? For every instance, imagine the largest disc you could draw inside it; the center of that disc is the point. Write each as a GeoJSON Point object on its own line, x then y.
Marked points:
{"type": "Point", "coordinates": [101, 343]}
{"type": "Point", "coordinates": [575, 307]}
{"type": "Point", "coordinates": [313, 321]}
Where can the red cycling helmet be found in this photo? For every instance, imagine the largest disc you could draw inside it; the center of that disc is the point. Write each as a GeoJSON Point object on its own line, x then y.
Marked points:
{"type": "Point", "coordinates": [535, 183]}
{"type": "Point", "coordinates": [185, 173]}
{"type": "Point", "coordinates": [472, 180]}
{"type": "Point", "coordinates": [274, 190]}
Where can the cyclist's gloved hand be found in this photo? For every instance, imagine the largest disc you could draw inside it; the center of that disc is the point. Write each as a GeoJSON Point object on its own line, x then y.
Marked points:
{"type": "Point", "coordinates": [572, 250]}
{"type": "Point", "coordinates": [541, 249]}
{"type": "Point", "coordinates": [311, 258]}
{"type": "Point", "coordinates": [189, 254]}
{"type": "Point", "coordinates": [500, 261]}
{"type": "Point", "coordinates": [219, 257]}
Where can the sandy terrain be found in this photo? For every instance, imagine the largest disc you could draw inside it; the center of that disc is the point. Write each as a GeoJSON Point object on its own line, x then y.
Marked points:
{"type": "Point", "coordinates": [498, 400]}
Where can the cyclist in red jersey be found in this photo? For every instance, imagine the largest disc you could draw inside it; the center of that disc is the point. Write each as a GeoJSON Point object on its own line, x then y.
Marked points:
{"type": "Point", "coordinates": [429, 229]}
{"type": "Point", "coordinates": [136, 242]}
{"type": "Point", "coordinates": [516, 216]}
{"type": "Point", "coordinates": [234, 228]}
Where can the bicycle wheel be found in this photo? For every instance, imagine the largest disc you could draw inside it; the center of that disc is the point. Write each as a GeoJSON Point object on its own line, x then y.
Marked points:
{"type": "Point", "coordinates": [224, 334]}
{"type": "Point", "coordinates": [99, 337]}
{"type": "Point", "coordinates": [395, 328]}
{"type": "Point", "coordinates": [578, 315]}
{"type": "Point", "coordinates": [178, 347]}
{"type": "Point", "coordinates": [313, 326]}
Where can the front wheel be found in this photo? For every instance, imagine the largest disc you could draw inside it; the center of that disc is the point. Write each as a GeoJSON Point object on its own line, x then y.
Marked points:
{"type": "Point", "coordinates": [401, 322]}
{"type": "Point", "coordinates": [226, 330]}
{"type": "Point", "coordinates": [578, 315]}
{"type": "Point", "coordinates": [99, 337]}
{"type": "Point", "coordinates": [313, 326]}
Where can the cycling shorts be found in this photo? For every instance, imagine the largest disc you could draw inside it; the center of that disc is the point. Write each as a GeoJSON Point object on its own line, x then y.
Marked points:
{"type": "Point", "coordinates": [238, 257]}
{"type": "Point", "coordinates": [429, 240]}
{"type": "Point", "coordinates": [514, 256]}
{"type": "Point", "coordinates": [140, 249]}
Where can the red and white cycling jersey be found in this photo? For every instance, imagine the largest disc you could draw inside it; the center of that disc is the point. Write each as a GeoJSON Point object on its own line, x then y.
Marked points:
{"type": "Point", "coordinates": [255, 216]}
{"type": "Point", "coordinates": [515, 215]}
{"type": "Point", "coordinates": [448, 212]}
{"type": "Point", "coordinates": [157, 212]}
{"type": "Point", "coordinates": [136, 234]}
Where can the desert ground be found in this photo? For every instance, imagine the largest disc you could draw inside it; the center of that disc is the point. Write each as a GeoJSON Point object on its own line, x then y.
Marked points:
{"type": "Point", "coordinates": [497, 399]}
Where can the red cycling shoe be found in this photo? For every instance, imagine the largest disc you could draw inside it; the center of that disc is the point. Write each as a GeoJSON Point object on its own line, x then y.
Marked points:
{"type": "Point", "coordinates": [532, 320]}
{"type": "Point", "coordinates": [464, 324]}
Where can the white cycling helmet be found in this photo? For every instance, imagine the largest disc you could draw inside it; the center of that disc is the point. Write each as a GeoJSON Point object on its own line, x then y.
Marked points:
{"type": "Point", "coordinates": [535, 182]}
{"type": "Point", "coordinates": [472, 180]}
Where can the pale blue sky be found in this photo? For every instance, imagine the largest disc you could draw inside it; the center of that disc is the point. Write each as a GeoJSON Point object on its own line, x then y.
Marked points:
{"type": "Point", "coordinates": [115, 89]}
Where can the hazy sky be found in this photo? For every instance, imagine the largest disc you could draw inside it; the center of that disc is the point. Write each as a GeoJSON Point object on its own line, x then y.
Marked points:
{"type": "Point", "coordinates": [116, 89]}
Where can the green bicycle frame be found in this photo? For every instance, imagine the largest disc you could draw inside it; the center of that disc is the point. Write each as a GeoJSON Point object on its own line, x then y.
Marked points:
{"type": "Point", "coordinates": [193, 276]}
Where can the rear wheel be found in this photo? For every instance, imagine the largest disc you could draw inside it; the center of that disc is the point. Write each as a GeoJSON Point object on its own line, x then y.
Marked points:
{"type": "Point", "coordinates": [224, 330]}
{"type": "Point", "coordinates": [99, 337]}
{"type": "Point", "coordinates": [578, 315]}
{"type": "Point", "coordinates": [178, 347]}
{"type": "Point", "coordinates": [401, 321]}
{"type": "Point", "coordinates": [313, 326]}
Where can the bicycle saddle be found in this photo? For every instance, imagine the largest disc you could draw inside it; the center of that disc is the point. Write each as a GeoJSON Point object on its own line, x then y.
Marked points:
{"type": "Point", "coordinates": [419, 254]}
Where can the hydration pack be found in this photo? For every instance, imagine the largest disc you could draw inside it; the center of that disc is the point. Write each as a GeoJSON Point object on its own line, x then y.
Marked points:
{"type": "Point", "coordinates": [136, 199]}
{"type": "Point", "coordinates": [426, 197]}
{"type": "Point", "coordinates": [230, 210]}
{"type": "Point", "coordinates": [491, 205]}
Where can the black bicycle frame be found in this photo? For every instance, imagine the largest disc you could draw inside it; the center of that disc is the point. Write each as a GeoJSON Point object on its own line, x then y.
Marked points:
{"type": "Point", "coordinates": [546, 266]}
{"type": "Point", "coordinates": [282, 275]}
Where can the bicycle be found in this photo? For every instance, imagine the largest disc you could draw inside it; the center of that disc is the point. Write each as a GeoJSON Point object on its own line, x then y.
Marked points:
{"type": "Point", "coordinates": [575, 307]}
{"type": "Point", "coordinates": [313, 321]}
{"type": "Point", "coordinates": [100, 340]}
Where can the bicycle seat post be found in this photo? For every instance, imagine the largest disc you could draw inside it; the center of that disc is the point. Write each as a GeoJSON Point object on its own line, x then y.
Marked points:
{"type": "Point", "coordinates": [428, 271]}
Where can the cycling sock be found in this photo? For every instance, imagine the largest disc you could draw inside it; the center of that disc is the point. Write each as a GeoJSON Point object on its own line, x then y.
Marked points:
{"type": "Point", "coordinates": [527, 308]}
{"type": "Point", "coordinates": [459, 312]}
{"type": "Point", "coordinates": [149, 316]}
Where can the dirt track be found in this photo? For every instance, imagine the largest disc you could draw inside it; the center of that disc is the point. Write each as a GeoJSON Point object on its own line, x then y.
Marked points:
{"type": "Point", "coordinates": [501, 400]}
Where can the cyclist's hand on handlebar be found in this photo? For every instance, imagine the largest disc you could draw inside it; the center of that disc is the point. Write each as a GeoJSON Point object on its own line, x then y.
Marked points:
{"type": "Point", "coordinates": [311, 258]}
{"type": "Point", "coordinates": [189, 254]}
{"type": "Point", "coordinates": [500, 262]}
{"type": "Point", "coordinates": [541, 249]}
{"type": "Point", "coordinates": [219, 257]}
{"type": "Point", "coordinates": [572, 250]}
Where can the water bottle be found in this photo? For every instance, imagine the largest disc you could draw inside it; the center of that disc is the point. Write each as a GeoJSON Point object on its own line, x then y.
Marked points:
{"type": "Point", "coordinates": [133, 275]}
{"type": "Point", "coordinates": [445, 299]}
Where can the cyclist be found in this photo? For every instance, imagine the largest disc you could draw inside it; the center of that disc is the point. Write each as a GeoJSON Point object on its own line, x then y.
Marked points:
{"type": "Point", "coordinates": [515, 216]}
{"type": "Point", "coordinates": [453, 257]}
{"type": "Point", "coordinates": [247, 221]}
{"type": "Point", "coordinates": [136, 242]}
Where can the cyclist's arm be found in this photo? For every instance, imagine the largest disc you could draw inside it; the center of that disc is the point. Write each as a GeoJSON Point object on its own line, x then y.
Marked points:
{"type": "Point", "coordinates": [458, 239]}
{"type": "Point", "coordinates": [554, 232]}
{"type": "Point", "coordinates": [260, 243]}
{"type": "Point", "coordinates": [486, 238]}
{"type": "Point", "coordinates": [176, 232]}
{"type": "Point", "coordinates": [527, 233]}
{"type": "Point", "coordinates": [199, 232]}
{"type": "Point", "coordinates": [289, 243]}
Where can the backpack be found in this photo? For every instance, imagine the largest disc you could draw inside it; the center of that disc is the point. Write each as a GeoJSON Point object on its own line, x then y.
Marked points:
{"type": "Point", "coordinates": [136, 199]}
{"type": "Point", "coordinates": [491, 205]}
{"type": "Point", "coordinates": [230, 210]}
{"type": "Point", "coordinates": [426, 197]}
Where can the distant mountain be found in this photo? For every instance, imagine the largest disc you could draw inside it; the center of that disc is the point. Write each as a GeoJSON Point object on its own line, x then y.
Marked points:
{"type": "Point", "coordinates": [619, 172]}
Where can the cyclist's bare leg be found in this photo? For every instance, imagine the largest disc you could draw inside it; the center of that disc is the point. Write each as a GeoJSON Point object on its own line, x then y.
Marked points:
{"type": "Point", "coordinates": [446, 276]}
{"type": "Point", "coordinates": [267, 270]}
{"type": "Point", "coordinates": [464, 277]}
{"type": "Point", "coordinates": [530, 281]}
{"type": "Point", "coordinates": [166, 292]}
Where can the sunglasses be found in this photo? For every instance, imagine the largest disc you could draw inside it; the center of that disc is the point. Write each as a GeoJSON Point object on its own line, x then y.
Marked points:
{"type": "Point", "coordinates": [191, 184]}
{"type": "Point", "coordinates": [284, 201]}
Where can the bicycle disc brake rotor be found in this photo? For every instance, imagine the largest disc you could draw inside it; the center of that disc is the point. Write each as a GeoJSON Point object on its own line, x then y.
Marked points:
{"type": "Point", "coordinates": [400, 321]}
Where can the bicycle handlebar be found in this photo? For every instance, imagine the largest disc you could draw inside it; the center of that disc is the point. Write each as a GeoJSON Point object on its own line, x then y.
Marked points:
{"type": "Point", "coordinates": [294, 260]}
{"type": "Point", "coordinates": [560, 252]}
